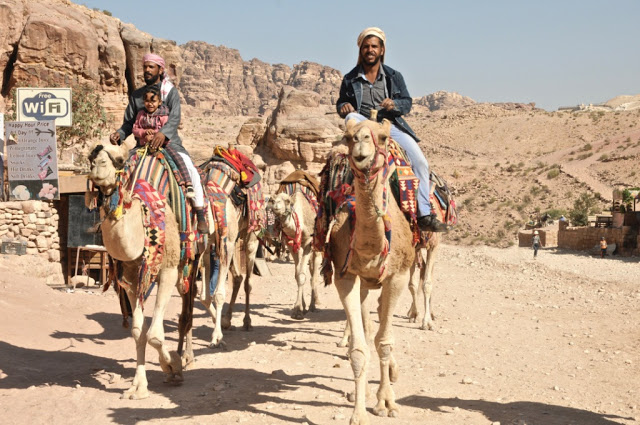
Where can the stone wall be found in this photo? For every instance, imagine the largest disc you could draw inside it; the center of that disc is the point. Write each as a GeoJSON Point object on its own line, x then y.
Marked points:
{"type": "Point", "coordinates": [548, 237]}
{"type": "Point", "coordinates": [34, 222]}
{"type": "Point", "coordinates": [586, 238]}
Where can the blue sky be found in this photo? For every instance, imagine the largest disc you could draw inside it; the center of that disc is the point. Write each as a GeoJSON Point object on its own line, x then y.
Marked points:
{"type": "Point", "coordinates": [554, 53]}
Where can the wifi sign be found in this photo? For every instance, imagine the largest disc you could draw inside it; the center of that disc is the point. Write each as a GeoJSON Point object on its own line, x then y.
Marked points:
{"type": "Point", "coordinates": [44, 104]}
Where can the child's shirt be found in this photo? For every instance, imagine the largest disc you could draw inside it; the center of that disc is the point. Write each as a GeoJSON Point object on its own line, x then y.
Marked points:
{"type": "Point", "coordinates": [146, 121]}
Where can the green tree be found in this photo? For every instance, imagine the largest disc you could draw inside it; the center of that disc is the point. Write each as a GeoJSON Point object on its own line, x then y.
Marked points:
{"type": "Point", "coordinates": [583, 207]}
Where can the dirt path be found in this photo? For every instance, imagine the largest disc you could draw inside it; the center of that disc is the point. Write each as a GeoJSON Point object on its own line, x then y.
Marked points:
{"type": "Point", "coordinates": [550, 341]}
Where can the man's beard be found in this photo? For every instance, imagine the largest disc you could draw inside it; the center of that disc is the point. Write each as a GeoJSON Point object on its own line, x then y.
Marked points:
{"type": "Point", "coordinates": [365, 61]}
{"type": "Point", "coordinates": [149, 79]}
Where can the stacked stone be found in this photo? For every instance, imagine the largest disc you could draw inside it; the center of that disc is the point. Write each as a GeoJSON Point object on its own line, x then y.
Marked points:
{"type": "Point", "coordinates": [33, 222]}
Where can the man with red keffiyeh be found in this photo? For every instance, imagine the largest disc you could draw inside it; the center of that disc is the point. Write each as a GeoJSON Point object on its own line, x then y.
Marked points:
{"type": "Point", "coordinates": [154, 74]}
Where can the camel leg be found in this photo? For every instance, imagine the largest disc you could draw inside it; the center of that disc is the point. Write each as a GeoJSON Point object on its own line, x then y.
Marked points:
{"type": "Point", "coordinates": [237, 281]}
{"type": "Point", "coordinates": [139, 386]}
{"type": "Point", "coordinates": [427, 288]}
{"type": "Point", "coordinates": [391, 291]}
{"type": "Point", "coordinates": [301, 260]}
{"type": "Point", "coordinates": [315, 264]}
{"type": "Point", "coordinates": [416, 277]}
{"type": "Point", "coordinates": [346, 334]}
{"type": "Point", "coordinates": [349, 292]}
{"type": "Point", "coordinates": [252, 248]}
{"type": "Point", "coordinates": [366, 321]}
{"type": "Point", "coordinates": [170, 363]}
{"type": "Point", "coordinates": [218, 296]}
{"type": "Point", "coordinates": [209, 288]}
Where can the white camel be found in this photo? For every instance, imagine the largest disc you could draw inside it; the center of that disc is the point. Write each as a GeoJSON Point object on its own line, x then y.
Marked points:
{"type": "Point", "coordinates": [123, 238]}
{"type": "Point", "coordinates": [297, 217]}
{"type": "Point", "coordinates": [222, 249]}
{"type": "Point", "coordinates": [367, 267]}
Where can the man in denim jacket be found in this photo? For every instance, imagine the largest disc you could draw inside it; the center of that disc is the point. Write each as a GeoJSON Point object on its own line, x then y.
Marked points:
{"type": "Point", "coordinates": [374, 85]}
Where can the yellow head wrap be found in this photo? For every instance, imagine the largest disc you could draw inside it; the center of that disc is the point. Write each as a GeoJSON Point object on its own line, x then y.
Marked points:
{"type": "Point", "coordinates": [372, 31]}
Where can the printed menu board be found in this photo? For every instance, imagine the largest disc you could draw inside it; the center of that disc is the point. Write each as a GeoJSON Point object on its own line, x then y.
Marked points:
{"type": "Point", "coordinates": [32, 160]}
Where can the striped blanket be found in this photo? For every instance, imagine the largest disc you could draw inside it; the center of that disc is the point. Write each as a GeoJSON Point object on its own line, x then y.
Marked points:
{"type": "Point", "coordinates": [336, 194]}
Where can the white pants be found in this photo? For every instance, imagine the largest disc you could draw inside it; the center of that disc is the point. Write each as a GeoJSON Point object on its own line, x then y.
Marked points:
{"type": "Point", "coordinates": [198, 200]}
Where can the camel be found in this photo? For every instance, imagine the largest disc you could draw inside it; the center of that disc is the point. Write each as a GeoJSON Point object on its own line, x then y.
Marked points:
{"type": "Point", "coordinates": [366, 265]}
{"type": "Point", "coordinates": [297, 217]}
{"type": "Point", "coordinates": [421, 272]}
{"type": "Point", "coordinates": [421, 280]}
{"type": "Point", "coordinates": [123, 238]}
{"type": "Point", "coordinates": [237, 230]}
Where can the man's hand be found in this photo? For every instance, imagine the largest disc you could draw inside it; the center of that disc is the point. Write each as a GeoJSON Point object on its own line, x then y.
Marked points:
{"type": "Point", "coordinates": [346, 109]}
{"type": "Point", "coordinates": [387, 104]}
{"type": "Point", "coordinates": [157, 141]}
{"type": "Point", "coordinates": [114, 138]}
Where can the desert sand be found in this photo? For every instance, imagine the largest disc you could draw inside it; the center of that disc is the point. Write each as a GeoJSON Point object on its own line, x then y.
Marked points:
{"type": "Point", "coordinates": [517, 341]}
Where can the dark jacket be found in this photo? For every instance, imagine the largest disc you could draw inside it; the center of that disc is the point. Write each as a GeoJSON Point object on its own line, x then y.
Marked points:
{"type": "Point", "coordinates": [351, 92]}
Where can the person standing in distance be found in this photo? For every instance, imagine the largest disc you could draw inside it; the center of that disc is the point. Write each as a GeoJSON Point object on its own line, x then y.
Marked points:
{"type": "Point", "coordinates": [374, 85]}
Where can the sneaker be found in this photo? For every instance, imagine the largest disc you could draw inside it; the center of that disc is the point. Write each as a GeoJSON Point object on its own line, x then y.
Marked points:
{"type": "Point", "coordinates": [190, 193]}
{"type": "Point", "coordinates": [430, 223]}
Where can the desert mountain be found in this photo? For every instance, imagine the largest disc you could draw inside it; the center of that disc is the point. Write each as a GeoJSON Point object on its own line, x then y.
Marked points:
{"type": "Point", "coordinates": [506, 162]}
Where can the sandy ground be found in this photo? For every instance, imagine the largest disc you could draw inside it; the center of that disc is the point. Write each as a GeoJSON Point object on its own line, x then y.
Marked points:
{"type": "Point", "coordinates": [517, 341]}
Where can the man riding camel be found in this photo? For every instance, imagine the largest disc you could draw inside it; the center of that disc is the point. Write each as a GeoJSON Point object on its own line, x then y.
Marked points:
{"type": "Point", "coordinates": [374, 85]}
{"type": "Point", "coordinates": [154, 75]}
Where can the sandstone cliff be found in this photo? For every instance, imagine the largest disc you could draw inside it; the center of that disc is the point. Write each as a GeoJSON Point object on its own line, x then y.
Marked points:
{"type": "Point", "coordinates": [56, 42]}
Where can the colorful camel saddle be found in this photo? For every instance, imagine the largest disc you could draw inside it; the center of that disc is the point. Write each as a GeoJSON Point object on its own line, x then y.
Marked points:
{"type": "Point", "coordinates": [303, 182]}
{"type": "Point", "coordinates": [153, 215]}
{"type": "Point", "coordinates": [336, 194]}
{"type": "Point", "coordinates": [153, 178]}
{"type": "Point", "coordinates": [229, 173]}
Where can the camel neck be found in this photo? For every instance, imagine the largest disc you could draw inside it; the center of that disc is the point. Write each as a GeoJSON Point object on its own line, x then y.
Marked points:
{"type": "Point", "coordinates": [369, 226]}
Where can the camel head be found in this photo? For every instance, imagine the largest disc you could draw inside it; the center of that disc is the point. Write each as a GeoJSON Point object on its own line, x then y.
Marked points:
{"type": "Point", "coordinates": [105, 161]}
{"type": "Point", "coordinates": [367, 143]}
{"type": "Point", "coordinates": [281, 204]}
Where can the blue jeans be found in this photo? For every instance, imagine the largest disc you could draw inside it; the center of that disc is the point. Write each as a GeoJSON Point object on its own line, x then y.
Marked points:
{"type": "Point", "coordinates": [215, 271]}
{"type": "Point", "coordinates": [419, 163]}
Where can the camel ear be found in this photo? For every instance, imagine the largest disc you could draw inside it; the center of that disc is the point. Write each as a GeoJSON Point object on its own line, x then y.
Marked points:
{"type": "Point", "coordinates": [95, 150]}
{"type": "Point", "coordinates": [351, 124]}
{"type": "Point", "coordinates": [386, 127]}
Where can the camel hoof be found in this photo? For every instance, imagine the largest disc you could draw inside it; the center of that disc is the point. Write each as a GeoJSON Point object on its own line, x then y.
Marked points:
{"type": "Point", "coordinates": [380, 411]}
{"type": "Point", "coordinates": [427, 326]}
{"type": "Point", "coordinates": [297, 314]}
{"type": "Point", "coordinates": [359, 418]}
{"type": "Point", "coordinates": [393, 413]}
{"type": "Point", "coordinates": [216, 341]}
{"type": "Point", "coordinates": [343, 343]}
{"type": "Point", "coordinates": [135, 394]}
{"type": "Point", "coordinates": [225, 322]}
{"type": "Point", "coordinates": [247, 324]}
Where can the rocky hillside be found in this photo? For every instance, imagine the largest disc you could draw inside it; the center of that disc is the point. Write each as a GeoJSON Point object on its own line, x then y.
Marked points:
{"type": "Point", "coordinates": [56, 42]}
{"type": "Point", "coordinates": [506, 162]}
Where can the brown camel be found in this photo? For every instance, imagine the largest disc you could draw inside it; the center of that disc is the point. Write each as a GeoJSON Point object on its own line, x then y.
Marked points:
{"type": "Point", "coordinates": [223, 252]}
{"type": "Point", "coordinates": [123, 238]}
{"type": "Point", "coordinates": [297, 217]}
{"type": "Point", "coordinates": [368, 159]}
{"type": "Point", "coordinates": [421, 280]}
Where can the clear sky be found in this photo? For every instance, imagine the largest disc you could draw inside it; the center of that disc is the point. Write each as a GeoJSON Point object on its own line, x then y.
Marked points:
{"type": "Point", "coordinates": [552, 52]}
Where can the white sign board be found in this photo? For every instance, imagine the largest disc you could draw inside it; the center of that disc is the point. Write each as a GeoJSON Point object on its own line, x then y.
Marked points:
{"type": "Point", "coordinates": [44, 104]}
{"type": "Point", "coordinates": [32, 160]}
